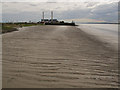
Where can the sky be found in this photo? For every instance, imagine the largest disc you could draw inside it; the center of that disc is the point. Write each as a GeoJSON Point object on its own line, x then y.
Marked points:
{"type": "Point", "coordinates": [87, 11]}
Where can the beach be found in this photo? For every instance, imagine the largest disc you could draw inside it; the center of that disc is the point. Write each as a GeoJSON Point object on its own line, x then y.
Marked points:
{"type": "Point", "coordinates": [57, 57]}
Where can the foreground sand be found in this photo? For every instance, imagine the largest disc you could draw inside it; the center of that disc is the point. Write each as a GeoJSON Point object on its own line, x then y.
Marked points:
{"type": "Point", "coordinates": [57, 57]}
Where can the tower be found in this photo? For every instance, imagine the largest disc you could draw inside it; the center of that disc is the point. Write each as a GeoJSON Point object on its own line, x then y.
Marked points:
{"type": "Point", "coordinates": [43, 15]}
{"type": "Point", "coordinates": [51, 16]}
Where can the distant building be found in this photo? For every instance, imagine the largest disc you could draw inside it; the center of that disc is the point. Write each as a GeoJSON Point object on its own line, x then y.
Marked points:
{"type": "Point", "coordinates": [45, 20]}
{"type": "Point", "coordinates": [53, 21]}
{"type": "Point", "coordinates": [49, 20]}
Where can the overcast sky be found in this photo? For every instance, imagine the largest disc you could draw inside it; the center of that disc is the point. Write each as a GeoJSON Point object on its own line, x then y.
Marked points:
{"type": "Point", "coordinates": [76, 11]}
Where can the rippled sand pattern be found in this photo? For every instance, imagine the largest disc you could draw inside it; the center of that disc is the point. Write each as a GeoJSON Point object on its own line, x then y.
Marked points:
{"type": "Point", "coordinates": [57, 57]}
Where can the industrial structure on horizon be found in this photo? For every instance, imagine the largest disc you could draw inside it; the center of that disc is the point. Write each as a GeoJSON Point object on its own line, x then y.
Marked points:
{"type": "Point", "coordinates": [43, 20]}
{"type": "Point", "coordinates": [53, 21]}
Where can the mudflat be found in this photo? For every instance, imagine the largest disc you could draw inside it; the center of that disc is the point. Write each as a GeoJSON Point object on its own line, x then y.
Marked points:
{"type": "Point", "coordinates": [57, 57]}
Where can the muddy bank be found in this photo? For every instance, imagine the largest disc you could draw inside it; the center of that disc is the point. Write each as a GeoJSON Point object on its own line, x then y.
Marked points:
{"type": "Point", "coordinates": [56, 57]}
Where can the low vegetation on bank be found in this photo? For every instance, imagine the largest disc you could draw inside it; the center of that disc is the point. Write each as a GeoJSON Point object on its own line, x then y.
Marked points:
{"type": "Point", "coordinates": [10, 27]}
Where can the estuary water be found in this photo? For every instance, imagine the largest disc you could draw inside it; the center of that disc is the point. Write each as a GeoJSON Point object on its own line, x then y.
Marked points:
{"type": "Point", "coordinates": [108, 33]}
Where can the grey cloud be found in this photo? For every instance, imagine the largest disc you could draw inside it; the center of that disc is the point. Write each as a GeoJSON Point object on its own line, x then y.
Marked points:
{"type": "Point", "coordinates": [107, 8]}
{"type": "Point", "coordinates": [91, 4]}
{"type": "Point", "coordinates": [24, 16]}
{"type": "Point", "coordinates": [106, 12]}
{"type": "Point", "coordinates": [51, 1]}
{"type": "Point", "coordinates": [74, 14]}
{"type": "Point", "coordinates": [32, 4]}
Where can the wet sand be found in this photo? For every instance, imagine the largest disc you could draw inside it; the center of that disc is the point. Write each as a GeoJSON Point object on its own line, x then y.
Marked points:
{"type": "Point", "coordinates": [57, 57]}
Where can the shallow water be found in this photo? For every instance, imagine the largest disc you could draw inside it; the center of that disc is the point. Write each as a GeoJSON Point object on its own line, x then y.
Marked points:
{"type": "Point", "coordinates": [105, 32]}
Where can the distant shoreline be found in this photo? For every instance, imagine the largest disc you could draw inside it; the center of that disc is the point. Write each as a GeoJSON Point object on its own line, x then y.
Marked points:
{"type": "Point", "coordinates": [75, 22]}
{"type": "Point", "coordinates": [97, 23]}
